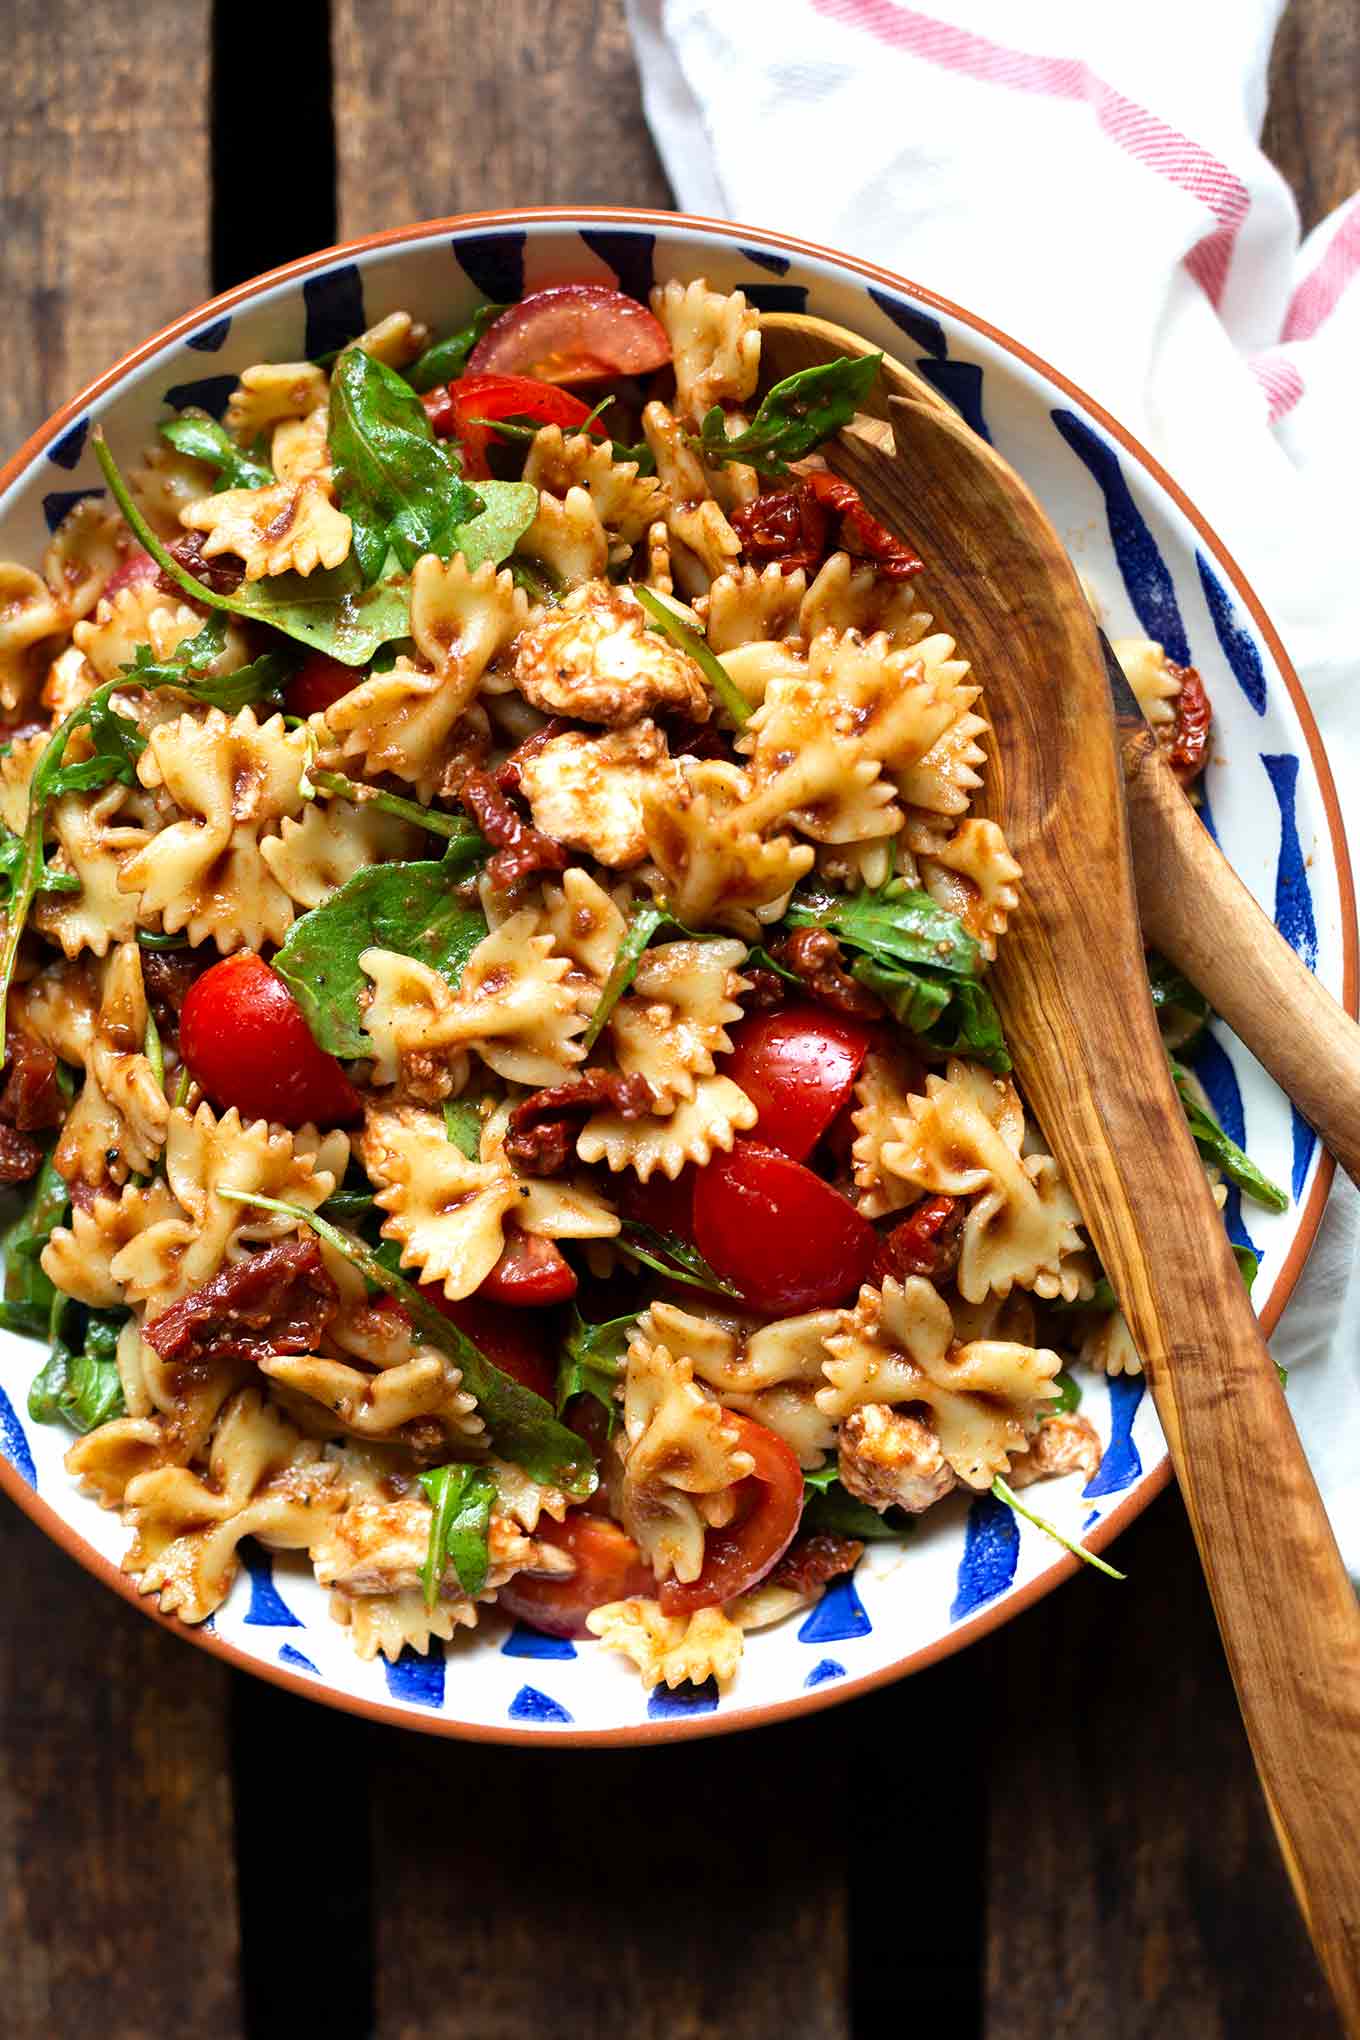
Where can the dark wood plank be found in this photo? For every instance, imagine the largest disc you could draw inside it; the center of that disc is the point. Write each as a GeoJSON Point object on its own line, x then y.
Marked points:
{"type": "Point", "coordinates": [1134, 1885]}
{"type": "Point", "coordinates": [115, 1804]}
{"type": "Point", "coordinates": [446, 108]}
{"type": "Point", "coordinates": [103, 189]}
{"type": "Point", "coordinates": [1312, 128]}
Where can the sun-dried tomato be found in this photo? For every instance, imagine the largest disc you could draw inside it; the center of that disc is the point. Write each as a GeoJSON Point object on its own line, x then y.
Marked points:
{"type": "Point", "coordinates": [277, 1301]}
{"type": "Point", "coordinates": [541, 1137]}
{"type": "Point", "coordinates": [860, 532]}
{"type": "Point", "coordinates": [32, 1096]}
{"type": "Point", "coordinates": [20, 1155]}
{"type": "Point", "coordinates": [223, 575]}
{"type": "Point", "coordinates": [1189, 740]}
{"type": "Point", "coordinates": [765, 990]}
{"type": "Point", "coordinates": [520, 848]}
{"type": "Point", "coordinates": [788, 525]}
{"type": "Point", "coordinates": [811, 1561]}
{"type": "Point", "coordinates": [167, 975]}
{"type": "Point", "coordinates": [814, 955]}
{"type": "Point", "coordinates": [507, 775]}
{"type": "Point", "coordinates": [926, 1243]}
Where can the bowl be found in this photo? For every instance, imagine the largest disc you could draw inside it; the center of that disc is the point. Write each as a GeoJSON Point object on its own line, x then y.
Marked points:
{"type": "Point", "coordinates": [1155, 568]}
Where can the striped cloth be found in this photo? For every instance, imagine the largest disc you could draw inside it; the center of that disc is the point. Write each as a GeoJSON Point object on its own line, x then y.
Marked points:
{"type": "Point", "coordinates": [1090, 179]}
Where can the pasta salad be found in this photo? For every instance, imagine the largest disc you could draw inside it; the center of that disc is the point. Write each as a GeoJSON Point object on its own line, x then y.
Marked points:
{"type": "Point", "coordinates": [501, 1087]}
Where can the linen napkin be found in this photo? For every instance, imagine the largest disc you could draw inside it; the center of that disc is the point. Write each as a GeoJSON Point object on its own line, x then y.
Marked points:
{"type": "Point", "coordinates": [1090, 179]}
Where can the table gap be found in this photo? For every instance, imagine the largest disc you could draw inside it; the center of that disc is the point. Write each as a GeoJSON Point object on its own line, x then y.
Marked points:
{"type": "Point", "coordinates": [273, 168]}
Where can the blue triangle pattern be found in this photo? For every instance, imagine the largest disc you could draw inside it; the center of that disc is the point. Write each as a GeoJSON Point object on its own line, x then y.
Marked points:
{"type": "Point", "coordinates": [1238, 645]}
{"type": "Point", "coordinates": [960, 384]}
{"type": "Point", "coordinates": [209, 393]}
{"type": "Point", "coordinates": [211, 338]}
{"type": "Point", "coordinates": [631, 257]}
{"type": "Point", "coordinates": [531, 1705]}
{"type": "Point", "coordinates": [416, 1678]}
{"type": "Point", "coordinates": [778, 265]}
{"type": "Point", "coordinates": [1147, 579]}
{"type": "Point", "coordinates": [838, 1615]}
{"type": "Point", "coordinates": [827, 1669]}
{"type": "Point", "coordinates": [494, 262]}
{"type": "Point", "coordinates": [911, 320]}
{"type": "Point", "coordinates": [268, 1609]}
{"type": "Point", "coordinates": [66, 451]}
{"type": "Point", "coordinates": [776, 297]}
{"type": "Point", "coordinates": [60, 502]}
{"type": "Point", "coordinates": [335, 309]}
{"type": "Point", "coordinates": [991, 1551]}
{"type": "Point", "coordinates": [663, 1705]}
{"type": "Point", "coordinates": [1121, 1464]}
{"type": "Point", "coordinates": [13, 1444]}
{"type": "Point", "coordinates": [532, 1643]}
{"type": "Point", "coordinates": [289, 1656]}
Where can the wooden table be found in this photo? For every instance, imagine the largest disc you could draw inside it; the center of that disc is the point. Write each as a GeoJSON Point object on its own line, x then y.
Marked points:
{"type": "Point", "coordinates": [1057, 1833]}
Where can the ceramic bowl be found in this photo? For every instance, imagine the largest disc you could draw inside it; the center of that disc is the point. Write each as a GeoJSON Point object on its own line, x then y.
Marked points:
{"type": "Point", "coordinates": [1156, 569]}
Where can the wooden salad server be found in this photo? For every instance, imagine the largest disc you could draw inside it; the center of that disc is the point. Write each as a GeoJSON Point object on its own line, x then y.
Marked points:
{"type": "Point", "coordinates": [1194, 908]}
{"type": "Point", "coordinates": [1073, 994]}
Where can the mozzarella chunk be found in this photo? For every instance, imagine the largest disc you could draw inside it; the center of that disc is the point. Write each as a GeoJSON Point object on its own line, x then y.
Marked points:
{"type": "Point", "coordinates": [596, 657]}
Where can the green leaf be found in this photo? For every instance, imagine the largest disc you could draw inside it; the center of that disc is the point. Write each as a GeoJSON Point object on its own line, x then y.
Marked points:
{"type": "Point", "coordinates": [915, 999]}
{"type": "Point", "coordinates": [12, 865]}
{"type": "Point", "coordinates": [830, 1510]}
{"type": "Point", "coordinates": [412, 908]}
{"type": "Point", "coordinates": [644, 918]}
{"type": "Point", "coordinates": [591, 1361]}
{"type": "Point", "coordinates": [1069, 1395]}
{"type": "Point", "coordinates": [892, 923]}
{"type": "Point", "coordinates": [1004, 1494]}
{"type": "Point", "coordinates": [461, 835]}
{"type": "Point", "coordinates": [463, 1125]}
{"type": "Point", "coordinates": [445, 361]}
{"type": "Point", "coordinates": [461, 1498]}
{"type": "Point", "coordinates": [729, 696]}
{"type": "Point", "coordinates": [523, 1426]}
{"type": "Point", "coordinates": [796, 415]}
{"type": "Point", "coordinates": [399, 486]}
{"type": "Point", "coordinates": [1248, 1263]}
{"type": "Point", "coordinates": [344, 1207]}
{"type": "Point", "coordinates": [332, 611]}
{"type": "Point", "coordinates": [1181, 1010]}
{"type": "Point", "coordinates": [263, 680]}
{"type": "Point", "coordinates": [1214, 1144]}
{"type": "Point", "coordinates": [28, 1294]}
{"type": "Point", "coordinates": [670, 1256]}
{"type": "Point", "coordinates": [202, 438]}
{"type": "Point", "coordinates": [510, 508]}
{"type": "Point", "coordinates": [82, 1388]}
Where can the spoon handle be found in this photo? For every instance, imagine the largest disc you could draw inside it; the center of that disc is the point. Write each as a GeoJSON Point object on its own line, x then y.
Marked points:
{"type": "Point", "coordinates": [1197, 912]}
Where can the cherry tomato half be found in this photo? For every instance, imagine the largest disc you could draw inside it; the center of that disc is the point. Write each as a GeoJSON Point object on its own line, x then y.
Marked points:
{"type": "Point", "coordinates": [609, 1567]}
{"type": "Point", "coordinates": [530, 1271]}
{"type": "Point", "coordinates": [797, 1065]}
{"type": "Point", "coordinates": [318, 681]}
{"type": "Point", "coordinates": [138, 566]}
{"type": "Point", "coordinates": [453, 409]}
{"type": "Point", "coordinates": [664, 1204]}
{"type": "Point", "coordinates": [785, 1238]}
{"type": "Point", "coordinates": [520, 1346]}
{"type": "Point", "coordinates": [573, 332]}
{"type": "Point", "coordinates": [736, 1557]}
{"type": "Point", "coordinates": [243, 1036]}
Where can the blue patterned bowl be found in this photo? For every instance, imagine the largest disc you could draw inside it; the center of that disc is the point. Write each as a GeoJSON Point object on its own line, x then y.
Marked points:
{"type": "Point", "coordinates": [1157, 570]}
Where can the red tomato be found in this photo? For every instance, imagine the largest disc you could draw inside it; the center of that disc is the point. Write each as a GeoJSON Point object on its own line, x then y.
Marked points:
{"type": "Point", "coordinates": [927, 1243]}
{"type": "Point", "coordinates": [785, 1238]}
{"type": "Point", "coordinates": [520, 1346]}
{"type": "Point", "coordinates": [609, 1567]}
{"type": "Point", "coordinates": [138, 566]}
{"type": "Point", "coordinates": [573, 332]}
{"type": "Point", "coordinates": [244, 1038]}
{"type": "Point", "coordinates": [529, 1271]}
{"type": "Point", "coordinates": [797, 1065]}
{"type": "Point", "coordinates": [735, 1558]}
{"type": "Point", "coordinates": [664, 1205]}
{"type": "Point", "coordinates": [318, 681]}
{"type": "Point", "coordinates": [453, 408]}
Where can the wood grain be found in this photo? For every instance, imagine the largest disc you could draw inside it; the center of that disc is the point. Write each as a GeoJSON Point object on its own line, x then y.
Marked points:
{"type": "Point", "coordinates": [445, 108]}
{"type": "Point", "coordinates": [1115, 1126]}
{"type": "Point", "coordinates": [1312, 126]}
{"type": "Point", "coordinates": [115, 1802]}
{"type": "Point", "coordinates": [103, 189]}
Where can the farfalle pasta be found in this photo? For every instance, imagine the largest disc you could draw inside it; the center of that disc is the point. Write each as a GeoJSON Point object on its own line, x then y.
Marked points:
{"type": "Point", "coordinates": [496, 1002]}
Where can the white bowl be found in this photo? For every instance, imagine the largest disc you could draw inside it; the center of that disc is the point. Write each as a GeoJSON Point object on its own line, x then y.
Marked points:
{"type": "Point", "coordinates": [1157, 570]}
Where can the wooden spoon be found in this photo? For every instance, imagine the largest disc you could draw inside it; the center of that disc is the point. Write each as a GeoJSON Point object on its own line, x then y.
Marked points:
{"type": "Point", "coordinates": [1194, 907]}
{"type": "Point", "coordinates": [1073, 995]}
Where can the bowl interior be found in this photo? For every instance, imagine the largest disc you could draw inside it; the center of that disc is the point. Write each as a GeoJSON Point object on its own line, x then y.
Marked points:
{"type": "Point", "coordinates": [1153, 570]}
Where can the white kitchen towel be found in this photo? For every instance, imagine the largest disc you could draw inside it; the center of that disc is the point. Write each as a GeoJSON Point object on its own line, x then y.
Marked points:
{"type": "Point", "coordinates": [1090, 179]}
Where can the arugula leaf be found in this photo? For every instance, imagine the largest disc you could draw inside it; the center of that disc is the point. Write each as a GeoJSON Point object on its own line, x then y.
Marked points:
{"type": "Point", "coordinates": [892, 923]}
{"type": "Point", "coordinates": [1248, 1264]}
{"type": "Point", "coordinates": [81, 1388]}
{"type": "Point", "coordinates": [330, 610]}
{"type": "Point", "coordinates": [644, 918]}
{"type": "Point", "coordinates": [670, 1256]}
{"type": "Point", "coordinates": [29, 1297]}
{"type": "Point", "coordinates": [1214, 1144]}
{"type": "Point", "coordinates": [509, 509]}
{"type": "Point", "coordinates": [916, 1001]}
{"type": "Point", "coordinates": [1004, 1494]}
{"type": "Point", "coordinates": [729, 696]}
{"type": "Point", "coordinates": [460, 833]}
{"type": "Point", "coordinates": [534, 579]}
{"type": "Point", "coordinates": [343, 1207]}
{"type": "Point", "coordinates": [399, 486]}
{"type": "Point", "coordinates": [1068, 1397]}
{"type": "Point", "coordinates": [591, 1361]}
{"type": "Point", "coordinates": [412, 908]}
{"type": "Point", "coordinates": [523, 1426]}
{"type": "Point", "coordinates": [830, 1509]}
{"type": "Point", "coordinates": [460, 1498]}
{"type": "Point", "coordinates": [463, 1125]}
{"type": "Point", "coordinates": [446, 359]}
{"type": "Point", "coordinates": [263, 680]}
{"type": "Point", "coordinates": [1181, 1010]}
{"type": "Point", "coordinates": [11, 867]}
{"type": "Point", "coordinates": [202, 438]}
{"type": "Point", "coordinates": [796, 415]}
